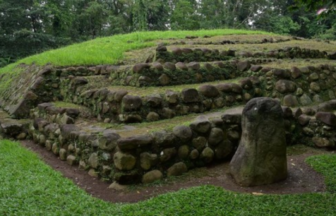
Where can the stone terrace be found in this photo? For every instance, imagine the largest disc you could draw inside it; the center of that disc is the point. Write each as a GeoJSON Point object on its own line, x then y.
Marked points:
{"type": "Point", "coordinates": [173, 107]}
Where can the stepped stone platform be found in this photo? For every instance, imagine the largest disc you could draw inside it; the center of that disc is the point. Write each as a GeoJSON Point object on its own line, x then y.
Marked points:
{"type": "Point", "coordinates": [170, 108]}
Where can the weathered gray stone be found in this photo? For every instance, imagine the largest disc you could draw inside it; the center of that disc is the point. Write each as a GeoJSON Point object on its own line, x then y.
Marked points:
{"type": "Point", "coordinates": [148, 160]}
{"type": "Point", "coordinates": [287, 112]}
{"type": "Point", "coordinates": [11, 127]}
{"type": "Point", "coordinates": [236, 88]}
{"type": "Point", "coordinates": [167, 154]}
{"type": "Point", "coordinates": [308, 111]}
{"type": "Point", "coordinates": [246, 83]}
{"type": "Point", "coordinates": [108, 140]}
{"type": "Point", "coordinates": [322, 142]}
{"type": "Point", "coordinates": [106, 170]}
{"type": "Point", "coordinates": [199, 143]}
{"type": "Point", "coordinates": [140, 67]}
{"type": "Point", "coordinates": [144, 80]}
{"type": "Point", "coordinates": [261, 155]}
{"type": "Point", "coordinates": [207, 155]}
{"type": "Point", "coordinates": [177, 169]}
{"type": "Point", "coordinates": [133, 142]}
{"type": "Point", "coordinates": [183, 152]}
{"type": "Point", "coordinates": [305, 100]}
{"type": "Point", "coordinates": [124, 161]}
{"type": "Point", "coordinates": [181, 66]}
{"type": "Point", "coordinates": [224, 87]}
{"type": "Point", "coordinates": [93, 173]}
{"type": "Point", "coordinates": [243, 65]}
{"type": "Point", "coordinates": [216, 136]}
{"type": "Point", "coordinates": [194, 66]}
{"type": "Point", "coordinates": [326, 118]}
{"type": "Point", "coordinates": [190, 95]}
{"type": "Point", "coordinates": [71, 160]}
{"type": "Point", "coordinates": [290, 101]}
{"type": "Point", "coordinates": [62, 154]}
{"type": "Point", "coordinates": [303, 120]}
{"type": "Point", "coordinates": [172, 97]}
{"type": "Point", "coordinates": [315, 87]}
{"type": "Point", "coordinates": [154, 100]}
{"type": "Point", "coordinates": [232, 118]}
{"type": "Point", "coordinates": [328, 106]}
{"type": "Point", "coordinates": [163, 138]}
{"type": "Point", "coordinates": [152, 176]}
{"type": "Point", "coordinates": [169, 66]}
{"type": "Point", "coordinates": [200, 126]}
{"type": "Point", "coordinates": [224, 149]}
{"type": "Point", "coordinates": [256, 68]}
{"type": "Point", "coordinates": [152, 116]}
{"type": "Point", "coordinates": [182, 132]}
{"type": "Point", "coordinates": [194, 154]}
{"type": "Point", "coordinates": [131, 103]}
{"type": "Point", "coordinates": [93, 160]}
{"type": "Point", "coordinates": [295, 72]}
{"type": "Point", "coordinates": [209, 91]}
{"type": "Point", "coordinates": [55, 149]}
{"type": "Point", "coordinates": [281, 73]}
{"type": "Point", "coordinates": [314, 77]}
{"type": "Point", "coordinates": [164, 79]}
{"type": "Point", "coordinates": [285, 86]}
{"type": "Point", "coordinates": [68, 131]}
{"type": "Point", "coordinates": [157, 66]}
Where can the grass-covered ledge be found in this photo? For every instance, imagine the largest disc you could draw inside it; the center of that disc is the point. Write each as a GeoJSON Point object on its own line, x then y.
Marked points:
{"type": "Point", "coordinates": [29, 187]}
{"type": "Point", "coordinates": [110, 50]}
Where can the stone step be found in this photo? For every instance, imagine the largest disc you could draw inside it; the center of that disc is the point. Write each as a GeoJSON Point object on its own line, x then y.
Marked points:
{"type": "Point", "coordinates": [60, 112]}
{"type": "Point", "coordinates": [13, 128]}
{"type": "Point", "coordinates": [299, 49]}
{"type": "Point", "coordinates": [131, 104]}
{"type": "Point", "coordinates": [172, 73]}
{"type": "Point", "coordinates": [128, 154]}
{"type": "Point", "coordinates": [95, 146]}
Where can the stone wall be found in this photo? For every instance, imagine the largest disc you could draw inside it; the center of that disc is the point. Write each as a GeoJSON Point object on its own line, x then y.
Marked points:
{"type": "Point", "coordinates": [149, 157]}
{"type": "Point", "coordinates": [120, 106]}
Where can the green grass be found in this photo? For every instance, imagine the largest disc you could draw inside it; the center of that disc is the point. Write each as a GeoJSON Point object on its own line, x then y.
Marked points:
{"type": "Point", "coordinates": [29, 187]}
{"type": "Point", "coordinates": [110, 50]}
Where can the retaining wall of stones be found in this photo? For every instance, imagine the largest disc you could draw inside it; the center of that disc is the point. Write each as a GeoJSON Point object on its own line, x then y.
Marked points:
{"type": "Point", "coordinates": [299, 86]}
{"type": "Point", "coordinates": [177, 54]}
{"type": "Point", "coordinates": [150, 157]}
{"type": "Point", "coordinates": [168, 73]}
{"type": "Point", "coordinates": [120, 106]}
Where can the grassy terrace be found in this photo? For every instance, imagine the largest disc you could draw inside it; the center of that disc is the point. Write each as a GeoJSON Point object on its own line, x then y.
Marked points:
{"type": "Point", "coordinates": [110, 50]}
{"type": "Point", "coordinates": [143, 91]}
{"type": "Point", "coordinates": [311, 44]}
{"type": "Point", "coordinates": [289, 63]}
{"type": "Point", "coordinates": [29, 187]}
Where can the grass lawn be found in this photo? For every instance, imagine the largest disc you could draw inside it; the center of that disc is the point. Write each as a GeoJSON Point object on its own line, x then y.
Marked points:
{"type": "Point", "coordinates": [29, 187]}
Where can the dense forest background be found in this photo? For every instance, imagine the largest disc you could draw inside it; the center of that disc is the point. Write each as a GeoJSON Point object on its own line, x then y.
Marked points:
{"type": "Point", "coordinates": [31, 26]}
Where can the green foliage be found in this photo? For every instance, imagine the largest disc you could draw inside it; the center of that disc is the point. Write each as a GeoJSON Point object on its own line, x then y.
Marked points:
{"type": "Point", "coordinates": [184, 16]}
{"type": "Point", "coordinates": [32, 26]}
{"type": "Point", "coordinates": [283, 25]}
{"type": "Point", "coordinates": [313, 4]}
{"type": "Point", "coordinates": [29, 187]}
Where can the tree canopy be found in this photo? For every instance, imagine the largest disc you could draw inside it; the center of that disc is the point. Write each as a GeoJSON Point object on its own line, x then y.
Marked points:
{"type": "Point", "coordinates": [31, 26]}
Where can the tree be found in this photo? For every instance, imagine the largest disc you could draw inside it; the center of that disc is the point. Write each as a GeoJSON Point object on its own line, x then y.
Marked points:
{"type": "Point", "coordinates": [184, 16]}
{"type": "Point", "coordinates": [313, 5]}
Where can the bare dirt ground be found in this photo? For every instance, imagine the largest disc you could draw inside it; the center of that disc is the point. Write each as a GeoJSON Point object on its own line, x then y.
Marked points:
{"type": "Point", "coordinates": [301, 178]}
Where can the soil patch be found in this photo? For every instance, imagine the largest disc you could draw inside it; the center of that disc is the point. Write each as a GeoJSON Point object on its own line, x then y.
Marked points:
{"type": "Point", "coordinates": [301, 179]}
